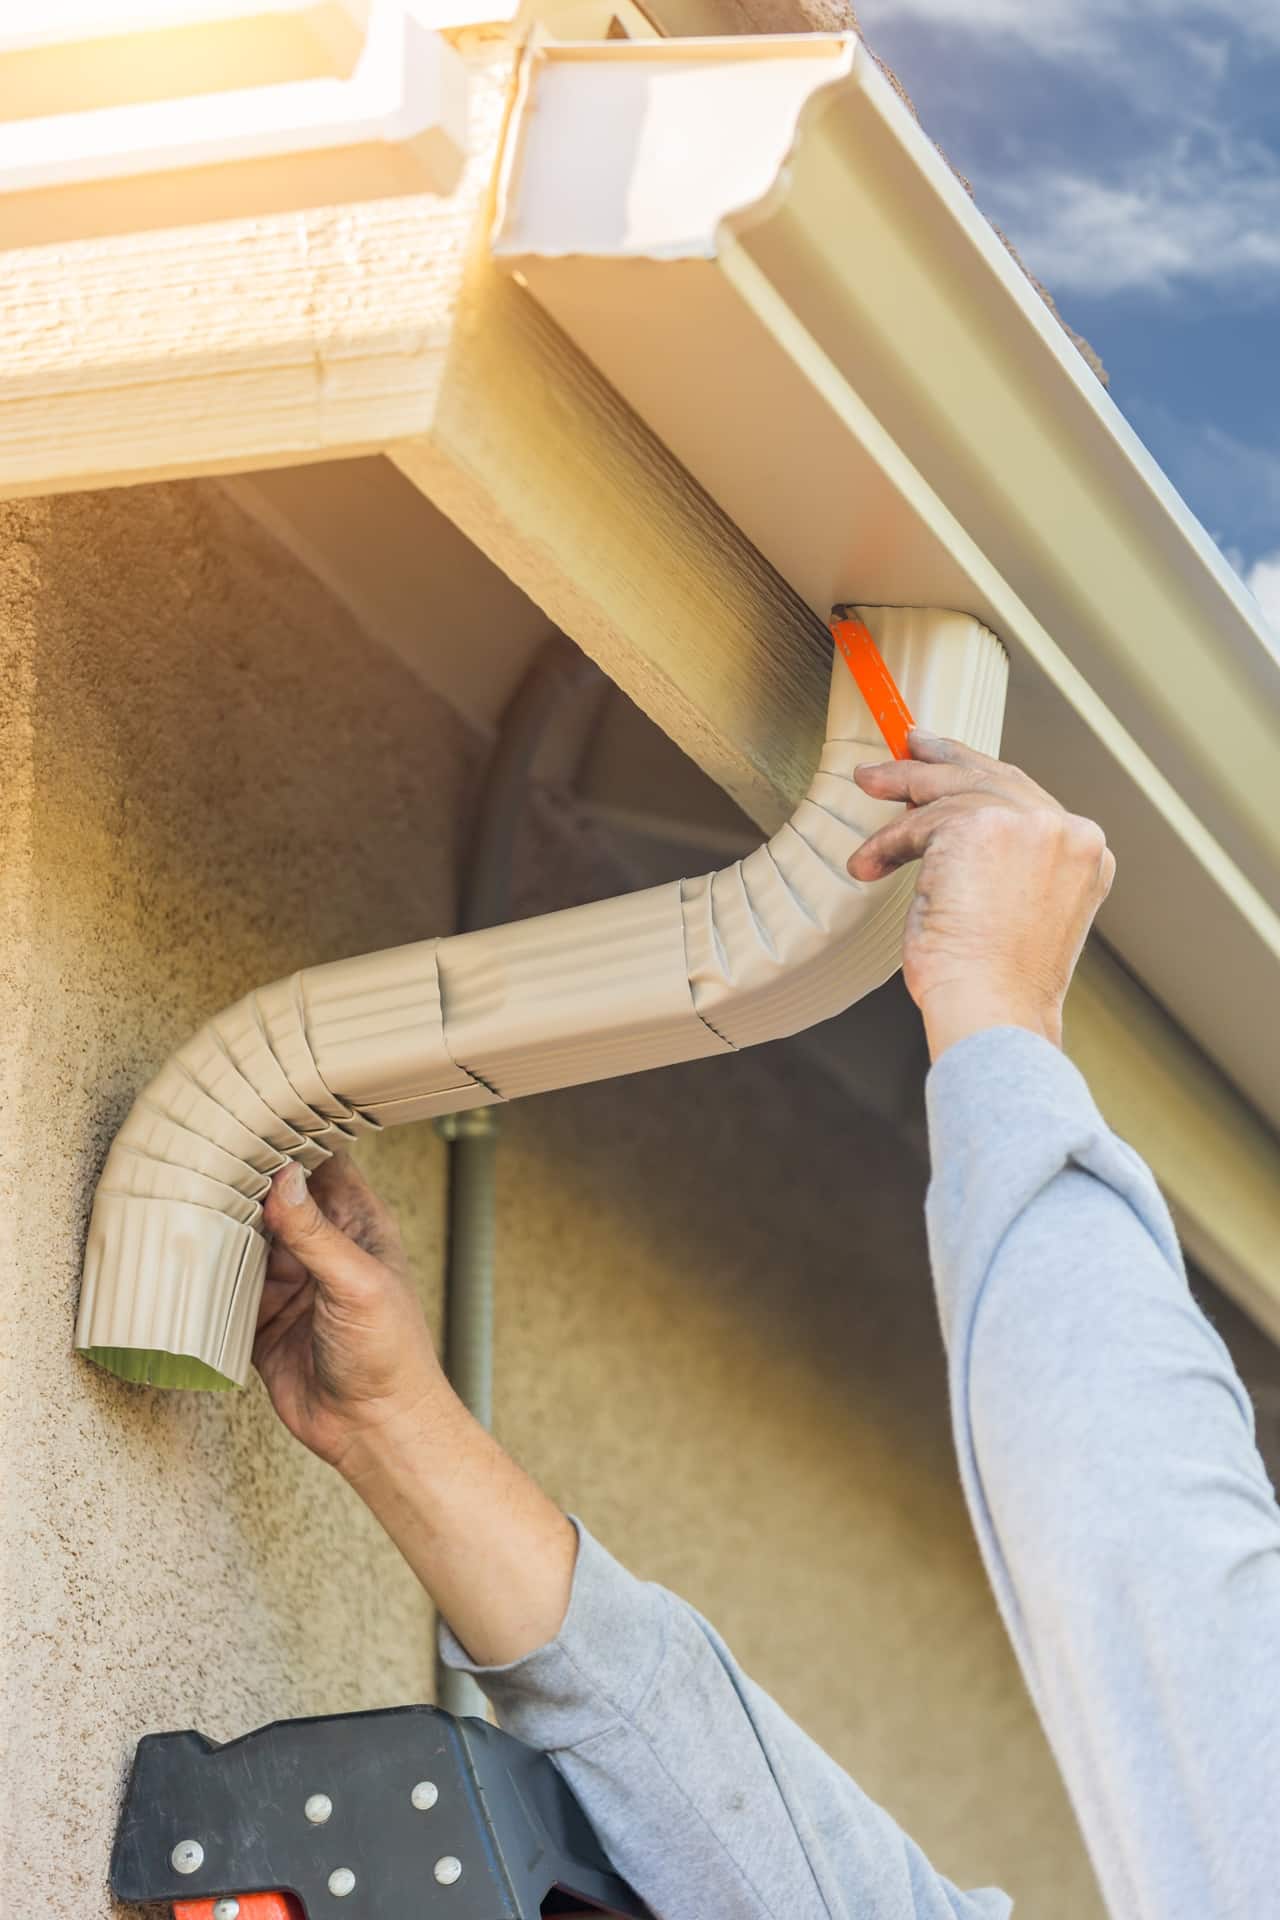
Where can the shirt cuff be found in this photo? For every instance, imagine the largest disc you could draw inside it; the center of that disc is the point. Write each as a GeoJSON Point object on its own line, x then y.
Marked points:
{"type": "Point", "coordinates": [983, 1090]}
{"type": "Point", "coordinates": [598, 1668]}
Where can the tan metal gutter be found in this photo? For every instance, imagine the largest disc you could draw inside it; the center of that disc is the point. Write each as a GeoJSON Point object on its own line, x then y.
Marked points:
{"type": "Point", "coordinates": [764, 254]}
{"type": "Point", "coordinates": [769, 945]}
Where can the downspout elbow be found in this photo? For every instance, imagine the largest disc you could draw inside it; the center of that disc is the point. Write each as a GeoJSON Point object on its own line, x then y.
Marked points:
{"type": "Point", "coordinates": [777, 941]}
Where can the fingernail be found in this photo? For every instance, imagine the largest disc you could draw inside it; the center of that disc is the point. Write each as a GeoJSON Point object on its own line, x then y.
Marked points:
{"type": "Point", "coordinates": [925, 733]}
{"type": "Point", "coordinates": [291, 1184]}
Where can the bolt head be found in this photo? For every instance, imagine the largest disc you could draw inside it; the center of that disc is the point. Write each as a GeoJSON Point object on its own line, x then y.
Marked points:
{"type": "Point", "coordinates": [425, 1795]}
{"type": "Point", "coordinates": [187, 1857]}
{"type": "Point", "coordinates": [226, 1909]}
{"type": "Point", "coordinates": [341, 1881]}
{"type": "Point", "coordinates": [448, 1869]}
{"type": "Point", "coordinates": [318, 1808]}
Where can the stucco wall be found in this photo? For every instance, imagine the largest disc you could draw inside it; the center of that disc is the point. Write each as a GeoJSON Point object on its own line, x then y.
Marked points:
{"type": "Point", "coordinates": [210, 777]}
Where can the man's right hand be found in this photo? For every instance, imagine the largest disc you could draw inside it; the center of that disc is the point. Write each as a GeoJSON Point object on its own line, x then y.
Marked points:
{"type": "Point", "coordinates": [1008, 886]}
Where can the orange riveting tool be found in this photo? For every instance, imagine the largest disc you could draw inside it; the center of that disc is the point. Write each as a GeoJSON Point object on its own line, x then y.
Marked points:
{"type": "Point", "coordinates": [875, 682]}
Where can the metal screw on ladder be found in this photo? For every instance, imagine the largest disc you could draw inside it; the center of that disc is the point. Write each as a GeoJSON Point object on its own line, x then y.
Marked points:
{"type": "Point", "coordinates": [341, 1882]}
{"type": "Point", "coordinates": [318, 1808]}
{"type": "Point", "coordinates": [226, 1910]}
{"type": "Point", "coordinates": [187, 1856]}
{"type": "Point", "coordinates": [425, 1795]}
{"type": "Point", "coordinates": [448, 1869]}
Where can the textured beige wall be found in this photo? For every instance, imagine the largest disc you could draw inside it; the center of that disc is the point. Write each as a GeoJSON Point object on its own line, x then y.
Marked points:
{"type": "Point", "coordinates": [210, 777]}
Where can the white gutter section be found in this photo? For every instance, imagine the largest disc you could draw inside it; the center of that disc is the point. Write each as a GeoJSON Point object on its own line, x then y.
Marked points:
{"type": "Point", "coordinates": [760, 249]}
{"type": "Point", "coordinates": [407, 94]}
{"type": "Point", "coordinates": [774, 943]}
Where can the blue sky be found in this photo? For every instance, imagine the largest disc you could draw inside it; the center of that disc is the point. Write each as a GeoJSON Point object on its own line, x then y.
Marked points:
{"type": "Point", "coordinates": [1131, 151]}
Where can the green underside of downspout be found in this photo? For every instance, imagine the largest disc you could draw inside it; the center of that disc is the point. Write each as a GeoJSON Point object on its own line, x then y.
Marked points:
{"type": "Point", "coordinates": [149, 1368]}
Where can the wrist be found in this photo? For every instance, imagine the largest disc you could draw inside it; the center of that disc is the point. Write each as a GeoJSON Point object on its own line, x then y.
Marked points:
{"type": "Point", "coordinates": [493, 1552]}
{"type": "Point", "coordinates": [952, 1013]}
{"type": "Point", "coordinates": [409, 1446]}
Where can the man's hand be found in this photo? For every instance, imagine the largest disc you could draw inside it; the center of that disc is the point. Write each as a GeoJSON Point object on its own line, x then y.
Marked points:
{"type": "Point", "coordinates": [344, 1351]}
{"type": "Point", "coordinates": [342, 1344]}
{"type": "Point", "coordinates": [1008, 887]}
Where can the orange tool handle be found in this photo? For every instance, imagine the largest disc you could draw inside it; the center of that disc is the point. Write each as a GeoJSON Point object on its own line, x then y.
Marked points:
{"type": "Point", "coordinates": [251, 1906]}
{"type": "Point", "coordinates": [877, 685]}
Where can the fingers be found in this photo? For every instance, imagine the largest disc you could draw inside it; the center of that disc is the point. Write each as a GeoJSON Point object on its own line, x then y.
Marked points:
{"type": "Point", "coordinates": [916, 781]}
{"type": "Point", "coordinates": [283, 1266]}
{"type": "Point", "coordinates": [906, 838]}
{"type": "Point", "coordinates": [938, 750]}
{"type": "Point", "coordinates": [346, 1198]}
{"type": "Point", "coordinates": [276, 1323]}
{"type": "Point", "coordinates": [336, 1180]}
{"type": "Point", "coordinates": [1071, 841]}
{"type": "Point", "coordinates": [278, 1291]}
{"type": "Point", "coordinates": [941, 767]}
{"type": "Point", "coordinates": [339, 1266]}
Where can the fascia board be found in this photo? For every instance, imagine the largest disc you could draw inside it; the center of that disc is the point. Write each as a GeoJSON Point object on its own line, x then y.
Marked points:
{"type": "Point", "coordinates": [854, 369]}
{"type": "Point", "coordinates": [1217, 1166]}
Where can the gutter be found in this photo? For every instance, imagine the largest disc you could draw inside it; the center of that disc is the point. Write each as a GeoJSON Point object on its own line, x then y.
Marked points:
{"type": "Point", "coordinates": [401, 114]}
{"type": "Point", "coordinates": [776, 942]}
{"type": "Point", "coordinates": [760, 249]}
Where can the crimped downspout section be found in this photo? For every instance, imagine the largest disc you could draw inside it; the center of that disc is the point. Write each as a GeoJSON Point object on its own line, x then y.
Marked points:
{"type": "Point", "coordinates": [774, 943]}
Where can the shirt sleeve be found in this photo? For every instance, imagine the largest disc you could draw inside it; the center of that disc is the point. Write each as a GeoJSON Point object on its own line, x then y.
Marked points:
{"type": "Point", "coordinates": [1107, 1451]}
{"type": "Point", "coordinates": [707, 1798]}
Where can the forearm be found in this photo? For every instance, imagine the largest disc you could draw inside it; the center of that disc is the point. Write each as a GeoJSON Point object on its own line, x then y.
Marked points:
{"type": "Point", "coordinates": [706, 1796]}
{"type": "Point", "coordinates": [495, 1554]}
{"type": "Point", "coordinates": [1107, 1453]}
{"type": "Point", "coordinates": [708, 1799]}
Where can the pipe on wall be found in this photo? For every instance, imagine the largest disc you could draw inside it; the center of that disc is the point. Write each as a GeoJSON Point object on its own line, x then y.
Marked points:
{"type": "Point", "coordinates": [775, 942]}
{"type": "Point", "coordinates": [557, 671]}
{"type": "Point", "coordinates": [485, 900]}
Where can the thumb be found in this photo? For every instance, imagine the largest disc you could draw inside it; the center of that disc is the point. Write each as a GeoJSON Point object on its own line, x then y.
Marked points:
{"type": "Point", "coordinates": [337, 1264]}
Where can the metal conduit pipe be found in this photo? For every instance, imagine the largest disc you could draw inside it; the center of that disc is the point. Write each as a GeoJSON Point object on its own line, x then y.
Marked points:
{"type": "Point", "coordinates": [485, 901]}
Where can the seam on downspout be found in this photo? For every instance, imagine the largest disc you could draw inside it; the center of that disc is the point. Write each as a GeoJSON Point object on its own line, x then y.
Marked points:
{"type": "Point", "coordinates": [726, 1043]}
{"type": "Point", "coordinates": [772, 943]}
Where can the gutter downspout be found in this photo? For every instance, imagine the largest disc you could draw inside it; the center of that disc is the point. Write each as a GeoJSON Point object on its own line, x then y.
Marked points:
{"type": "Point", "coordinates": [775, 942]}
{"type": "Point", "coordinates": [472, 1137]}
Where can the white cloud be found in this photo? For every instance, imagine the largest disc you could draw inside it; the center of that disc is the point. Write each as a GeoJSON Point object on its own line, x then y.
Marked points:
{"type": "Point", "coordinates": [1211, 53]}
{"type": "Point", "coordinates": [1192, 210]}
{"type": "Point", "coordinates": [1174, 194]}
{"type": "Point", "coordinates": [1132, 166]}
{"type": "Point", "coordinates": [1263, 582]}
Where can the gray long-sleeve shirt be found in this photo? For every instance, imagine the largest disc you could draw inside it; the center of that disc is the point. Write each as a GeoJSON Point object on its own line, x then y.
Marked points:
{"type": "Point", "coordinates": [1127, 1524]}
